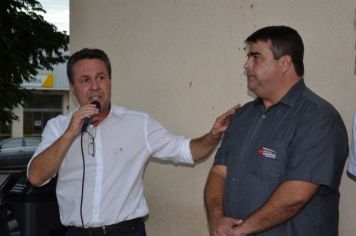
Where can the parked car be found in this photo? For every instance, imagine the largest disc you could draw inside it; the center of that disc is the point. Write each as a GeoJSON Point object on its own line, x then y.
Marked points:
{"type": "Point", "coordinates": [15, 153]}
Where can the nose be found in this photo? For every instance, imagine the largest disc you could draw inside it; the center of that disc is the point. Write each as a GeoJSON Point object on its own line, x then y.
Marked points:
{"type": "Point", "coordinates": [248, 64]}
{"type": "Point", "coordinates": [94, 85]}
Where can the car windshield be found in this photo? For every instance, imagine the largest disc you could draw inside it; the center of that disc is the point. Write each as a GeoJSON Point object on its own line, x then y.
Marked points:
{"type": "Point", "coordinates": [16, 152]}
{"type": "Point", "coordinates": [12, 144]}
{"type": "Point", "coordinates": [31, 142]}
{"type": "Point", "coordinates": [19, 142]}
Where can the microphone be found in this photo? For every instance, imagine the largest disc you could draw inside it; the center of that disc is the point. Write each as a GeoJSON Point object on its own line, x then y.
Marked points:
{"type": "Point", "coordinates": [87, 120]}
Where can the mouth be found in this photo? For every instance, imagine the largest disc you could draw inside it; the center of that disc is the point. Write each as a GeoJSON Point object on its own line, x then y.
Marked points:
{"type": "Point", "coordinates": [250, 77]}
{"type": "Point", "coordinates": [249, 74]}
{"type": "Point", "coordinates": [94, 97]}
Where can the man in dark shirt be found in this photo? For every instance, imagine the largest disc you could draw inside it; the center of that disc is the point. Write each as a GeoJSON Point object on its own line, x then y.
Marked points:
{"type": "Point", "coordinates": [279, 166]}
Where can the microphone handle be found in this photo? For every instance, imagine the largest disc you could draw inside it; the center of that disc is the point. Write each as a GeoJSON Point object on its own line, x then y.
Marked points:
{"type": "Point", "coordinates": [87, 120]}
{"type": "Point", "coordinates": [86, 123]}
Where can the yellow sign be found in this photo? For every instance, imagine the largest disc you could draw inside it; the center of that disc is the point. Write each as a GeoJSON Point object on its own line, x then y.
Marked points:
{"type": "Point", "coordinates": [49, 82]}
{"type": "Point", "coordinates": [44, 81]}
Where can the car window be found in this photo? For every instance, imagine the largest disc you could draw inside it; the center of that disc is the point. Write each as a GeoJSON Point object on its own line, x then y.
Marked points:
{"type": "Point", "coordinates": [31, 142]}
{"type": "Point", "coordinates": [12, 144]}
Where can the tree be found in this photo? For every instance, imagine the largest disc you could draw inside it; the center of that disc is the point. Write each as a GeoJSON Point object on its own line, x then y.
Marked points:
{"type": "Point", "coordinates": [28, 43]}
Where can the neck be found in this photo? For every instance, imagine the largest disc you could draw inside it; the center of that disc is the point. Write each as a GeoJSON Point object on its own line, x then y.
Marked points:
{"type": "Point", "coordinates": [104, 112]}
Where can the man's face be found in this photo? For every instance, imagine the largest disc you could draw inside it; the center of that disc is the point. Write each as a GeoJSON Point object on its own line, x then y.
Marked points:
{"type": "Point", "coordinates": [91, 82]}
{"type": "Point", "coordinates": [261, 69]}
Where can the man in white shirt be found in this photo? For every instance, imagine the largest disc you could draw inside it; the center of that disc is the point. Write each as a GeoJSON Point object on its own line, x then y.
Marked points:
{"type": "Point", "coordinates": [100, 167]}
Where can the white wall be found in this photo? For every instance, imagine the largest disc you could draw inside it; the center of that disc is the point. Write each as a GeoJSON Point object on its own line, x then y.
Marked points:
{"type": "Point", "coordinates": [181, 61]}
{"type": "Point", "coordinates": [17, 125]}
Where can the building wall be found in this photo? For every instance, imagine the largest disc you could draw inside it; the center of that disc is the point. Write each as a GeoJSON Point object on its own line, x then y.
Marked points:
{"type": "Point", "coordinates": [17, 125]}
{"type": "Point", "coordinates": [50, 82]}
{"type": "Point", "coordinates": [181, 61]}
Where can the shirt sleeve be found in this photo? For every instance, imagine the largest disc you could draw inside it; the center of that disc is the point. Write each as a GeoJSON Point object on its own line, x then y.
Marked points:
{"type": "Point", "coordinates": [221, 156]}
{"type": "Point", "coordinates": [165, 145]}
{"type": "Point", "coordinates": [319, 149]}
{"type": "Point", "coordinates": [351, 168]}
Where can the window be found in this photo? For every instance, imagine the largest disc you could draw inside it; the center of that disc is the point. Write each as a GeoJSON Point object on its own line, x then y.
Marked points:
{"type": "Point", "coordinates": [12, 144]}
{"type": "Point", "coordinates": [38, 111]}
{"type": "Point", "coordinates": [29, 142]}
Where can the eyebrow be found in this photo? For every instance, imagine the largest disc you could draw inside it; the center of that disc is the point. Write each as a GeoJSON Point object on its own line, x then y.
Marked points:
{"type": "Point", "coordinates": [254, 54]}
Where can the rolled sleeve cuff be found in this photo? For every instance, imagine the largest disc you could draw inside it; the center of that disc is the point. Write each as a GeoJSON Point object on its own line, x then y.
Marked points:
{"type": "Point", "coordinates": [186, 152]}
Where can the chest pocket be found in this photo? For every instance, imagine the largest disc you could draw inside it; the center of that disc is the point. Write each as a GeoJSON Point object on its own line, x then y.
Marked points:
{"type": "Point", "coordinates": [270, 158]}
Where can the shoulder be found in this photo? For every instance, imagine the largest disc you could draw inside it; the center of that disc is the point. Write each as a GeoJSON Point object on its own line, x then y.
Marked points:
{"type": "Point", "coordinates": [310, 108]}
{"type": "Point", "coordinates": [316, 111]}
{"type": "Point", "coordinates": [314, 103]}
{"type": "Point", "coordinates": [57, 125]}
{"type": "Point", "coordinates": [60, 120]}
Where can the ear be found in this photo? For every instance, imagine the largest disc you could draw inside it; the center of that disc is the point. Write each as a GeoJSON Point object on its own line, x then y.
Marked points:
{"type": "Point", "coordinates": [71, 88]}
{"type": "Point", "coordinates": [285, 63]}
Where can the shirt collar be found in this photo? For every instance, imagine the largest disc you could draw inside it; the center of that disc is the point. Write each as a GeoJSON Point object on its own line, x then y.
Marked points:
{"type": "Point", "coordinates": [117, 110]}
{"type": "Point", "coordinates": [292, 95]}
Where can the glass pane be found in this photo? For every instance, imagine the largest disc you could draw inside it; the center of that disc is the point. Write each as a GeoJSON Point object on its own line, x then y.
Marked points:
{"type": "Point", "coordinates": [13, 143]}
{"type": "Point", "coordinates": [31, 142]}
{"type": "Point", "coordinates": [35, 121]}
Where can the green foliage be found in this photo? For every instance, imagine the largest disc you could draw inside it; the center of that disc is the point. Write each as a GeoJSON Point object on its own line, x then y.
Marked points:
{"type": "Point", "coordinates": [27, 43]}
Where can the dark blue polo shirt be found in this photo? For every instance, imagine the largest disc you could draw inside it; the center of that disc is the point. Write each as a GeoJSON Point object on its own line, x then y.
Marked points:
{"type": "Point", "coordinates": [300, 138]}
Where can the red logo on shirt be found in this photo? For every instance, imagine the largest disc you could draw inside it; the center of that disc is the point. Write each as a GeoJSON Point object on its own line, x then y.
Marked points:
{"type": "Point", "coordinates": [266, 152]}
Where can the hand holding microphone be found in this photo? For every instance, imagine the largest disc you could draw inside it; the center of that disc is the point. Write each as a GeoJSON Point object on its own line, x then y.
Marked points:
{"type": "Point", "coordinates": [87, 120]}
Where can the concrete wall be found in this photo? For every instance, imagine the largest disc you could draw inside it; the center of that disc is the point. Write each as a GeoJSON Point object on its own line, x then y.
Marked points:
{"type": "Point", "coordinates": [181, 61]}
{"type": "Point", "coordinates": [17, 125]}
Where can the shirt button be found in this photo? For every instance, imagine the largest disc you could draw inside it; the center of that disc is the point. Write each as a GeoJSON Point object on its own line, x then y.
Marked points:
{"type": "Point", "coordinates": [233, 179]}
{"type": "Point", "coordinates": [263, 116]}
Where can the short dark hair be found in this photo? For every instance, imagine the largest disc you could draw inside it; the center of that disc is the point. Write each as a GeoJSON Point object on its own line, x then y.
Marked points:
{"type": "Point", "coordinates": [284, 41]}
{"type": "Point", "coordinates": [87, 53]}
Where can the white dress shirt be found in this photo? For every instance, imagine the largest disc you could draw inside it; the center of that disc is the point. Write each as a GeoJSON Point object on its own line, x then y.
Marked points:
{"type": "Point", "coordinates": [351, 167]}
{"type": "Point", "coordinates": [113, 186]}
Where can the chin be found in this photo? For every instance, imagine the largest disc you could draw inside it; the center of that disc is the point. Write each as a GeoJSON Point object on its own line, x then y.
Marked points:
{"type": "Point", "coordinates": [251, 86]}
